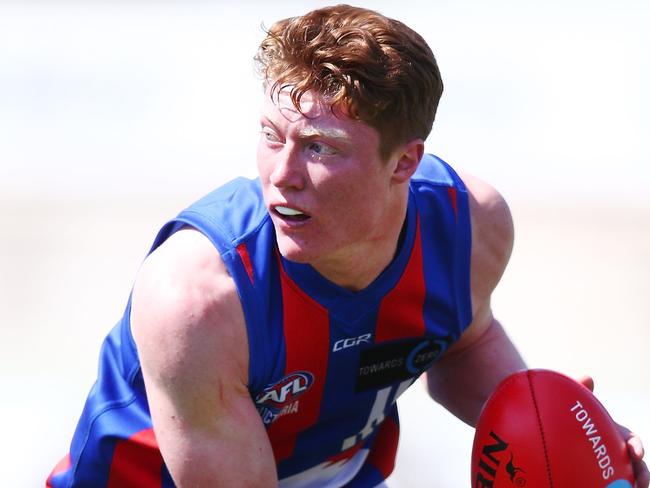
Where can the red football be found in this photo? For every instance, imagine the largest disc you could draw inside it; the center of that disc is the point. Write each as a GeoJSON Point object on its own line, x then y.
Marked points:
{"type": "Point", "coordinates": [541, 429]}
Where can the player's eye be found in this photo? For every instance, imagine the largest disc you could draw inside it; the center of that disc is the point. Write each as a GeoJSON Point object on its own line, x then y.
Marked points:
{"type": "Point", "coordinates": [270, 135]}
{"type": "Point", "coordinates": [321, 149]}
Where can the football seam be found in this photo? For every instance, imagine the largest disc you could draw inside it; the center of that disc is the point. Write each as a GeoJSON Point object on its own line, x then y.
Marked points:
{"type": "Point", "coordinates": [541, 430]}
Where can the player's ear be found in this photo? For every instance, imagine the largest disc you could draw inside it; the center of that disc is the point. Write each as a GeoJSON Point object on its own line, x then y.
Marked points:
{"type": "Point", "coordinates": [408, 157]}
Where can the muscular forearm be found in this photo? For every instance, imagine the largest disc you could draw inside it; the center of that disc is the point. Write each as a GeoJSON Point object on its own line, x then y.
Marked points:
{"type": "Point", "coordinates": [465, 377]}
{"type": "Point", "coordinates": [198, 459]}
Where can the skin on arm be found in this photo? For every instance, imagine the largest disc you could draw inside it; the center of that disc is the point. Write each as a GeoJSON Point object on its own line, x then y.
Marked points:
{"type": "Point", "coordinates": [467, 374]}
{"type": "Point", "coordinates": [189, 328]}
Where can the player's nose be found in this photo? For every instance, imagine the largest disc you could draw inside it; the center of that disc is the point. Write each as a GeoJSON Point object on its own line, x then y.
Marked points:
{"type": "Point", "coordinates": [288, 169]}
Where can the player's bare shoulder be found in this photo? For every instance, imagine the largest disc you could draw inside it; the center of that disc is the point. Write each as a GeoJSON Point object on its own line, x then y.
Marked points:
{"type": "Point", "coordinates": [492, 235]}
{"type": "Point", "coordinates": [189, 329]}
{"type": "Point", "coordinates": [186, 314]}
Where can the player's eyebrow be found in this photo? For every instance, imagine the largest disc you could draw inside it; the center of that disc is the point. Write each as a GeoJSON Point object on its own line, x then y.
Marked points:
{"type": "Point", "coordinates": [312, 131]}
{"type": "Point", "coordinates": [265, 120]}
{"type": "Point", "coordinates": [326, 132]}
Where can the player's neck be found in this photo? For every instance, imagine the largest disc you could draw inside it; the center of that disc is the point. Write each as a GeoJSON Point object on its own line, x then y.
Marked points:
{"type": "Point", "coordinates": [357, 266]}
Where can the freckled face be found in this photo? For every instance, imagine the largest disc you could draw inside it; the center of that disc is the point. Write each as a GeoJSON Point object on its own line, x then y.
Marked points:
{"type": "Point", "coordinates": [324, 183]}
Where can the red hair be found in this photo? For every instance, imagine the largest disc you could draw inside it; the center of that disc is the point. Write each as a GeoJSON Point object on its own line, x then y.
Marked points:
{"type": "Point", "coordinates": [373, 68]}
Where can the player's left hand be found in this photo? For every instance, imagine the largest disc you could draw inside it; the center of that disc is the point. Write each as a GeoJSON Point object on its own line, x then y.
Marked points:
{"type": "Point", "coordinates": [634, 445]}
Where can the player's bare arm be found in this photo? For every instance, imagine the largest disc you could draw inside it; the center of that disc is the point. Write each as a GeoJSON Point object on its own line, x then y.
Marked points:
{"type": "Point", "coordinates": [464, 378]}
{"type": "Point", "coordinates": [189, 328]}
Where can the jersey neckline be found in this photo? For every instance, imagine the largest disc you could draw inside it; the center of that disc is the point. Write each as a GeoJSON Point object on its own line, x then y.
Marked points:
{"type": "Point", "coordinates": [351, 305]}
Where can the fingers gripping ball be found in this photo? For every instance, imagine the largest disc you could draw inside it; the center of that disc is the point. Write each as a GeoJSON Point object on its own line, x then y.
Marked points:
{"type": "Point", "coordinates": [541, 429]}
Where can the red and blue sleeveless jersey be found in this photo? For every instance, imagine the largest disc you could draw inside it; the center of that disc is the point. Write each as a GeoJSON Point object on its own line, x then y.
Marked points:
{"type": "Point", "coordinates": [326, 364]}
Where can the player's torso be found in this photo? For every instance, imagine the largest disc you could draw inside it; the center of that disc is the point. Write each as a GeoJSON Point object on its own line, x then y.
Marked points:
{"type": "Point", "coordinates": [341, 360]}
{"type": "Point", "coordinates": [326, 365]}
{"type": "Point", "coordinates": [333, 362]}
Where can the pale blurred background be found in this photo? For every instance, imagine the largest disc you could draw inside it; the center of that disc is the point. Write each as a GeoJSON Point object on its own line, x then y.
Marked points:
{"type": "Point", "coordinates": [115, 115]}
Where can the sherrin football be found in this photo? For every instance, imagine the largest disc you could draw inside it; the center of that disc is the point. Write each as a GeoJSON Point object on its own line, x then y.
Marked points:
{"type": "Point", "coordinates": [541, 429]}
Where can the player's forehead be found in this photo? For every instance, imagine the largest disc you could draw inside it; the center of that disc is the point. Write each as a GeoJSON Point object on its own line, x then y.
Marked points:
{"type": "Point", "coordinates": [316, 114]}
{"type": "Point", "coordinates": [278, 103]}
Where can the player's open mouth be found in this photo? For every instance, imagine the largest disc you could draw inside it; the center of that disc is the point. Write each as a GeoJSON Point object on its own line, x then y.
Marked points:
{"type": "Point", "coordinates": [290, 214]}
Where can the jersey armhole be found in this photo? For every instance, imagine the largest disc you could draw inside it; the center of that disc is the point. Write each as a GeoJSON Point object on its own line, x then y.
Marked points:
{"type": "Point", "coordinates": [240, 269]}
{"type": "Point", "coordinates": [438, 173]}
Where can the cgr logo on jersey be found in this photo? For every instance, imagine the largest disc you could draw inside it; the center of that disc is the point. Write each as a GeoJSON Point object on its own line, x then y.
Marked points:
{"type": "Point", "coordinates": [280, 397]}
{"type": "Point", "coordinates": [351, 342]}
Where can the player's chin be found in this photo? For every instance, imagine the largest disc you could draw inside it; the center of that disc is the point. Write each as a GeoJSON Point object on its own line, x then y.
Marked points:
{"type": "Point", "coordinates": [296, 250]}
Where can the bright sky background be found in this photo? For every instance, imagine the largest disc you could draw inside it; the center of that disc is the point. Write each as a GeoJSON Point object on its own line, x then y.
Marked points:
{"type": "Point", "coordinates": [543, 99]}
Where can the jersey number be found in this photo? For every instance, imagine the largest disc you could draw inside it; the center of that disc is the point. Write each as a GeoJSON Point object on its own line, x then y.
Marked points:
{"type": "Point", "coordinates": [377, 412]}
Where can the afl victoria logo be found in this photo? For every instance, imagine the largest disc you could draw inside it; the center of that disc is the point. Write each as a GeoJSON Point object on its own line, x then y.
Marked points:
{"type": "Point", "coordinates": [285, 391]}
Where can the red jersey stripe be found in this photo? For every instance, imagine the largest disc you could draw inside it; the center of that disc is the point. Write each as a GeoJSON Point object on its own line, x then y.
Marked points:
{"type": "Point", "coordinates": [401, 311]}
{"type": "Point", "coordinates": [242, 250]}
{"type": "Point", "coordinates": [453, 197]}
{"type": "Point", "coordinates": [137, 462]}
{"type": "Point", "coordinates": [61, 466]}
{"type": "Point", "coordinates": [384, 448]}
{"type": "Point", "coordinates": [306, 332]}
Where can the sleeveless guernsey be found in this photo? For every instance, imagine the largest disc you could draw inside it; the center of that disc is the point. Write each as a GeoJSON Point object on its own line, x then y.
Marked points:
{"type": "Point", "coordinates": [326, 364]}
